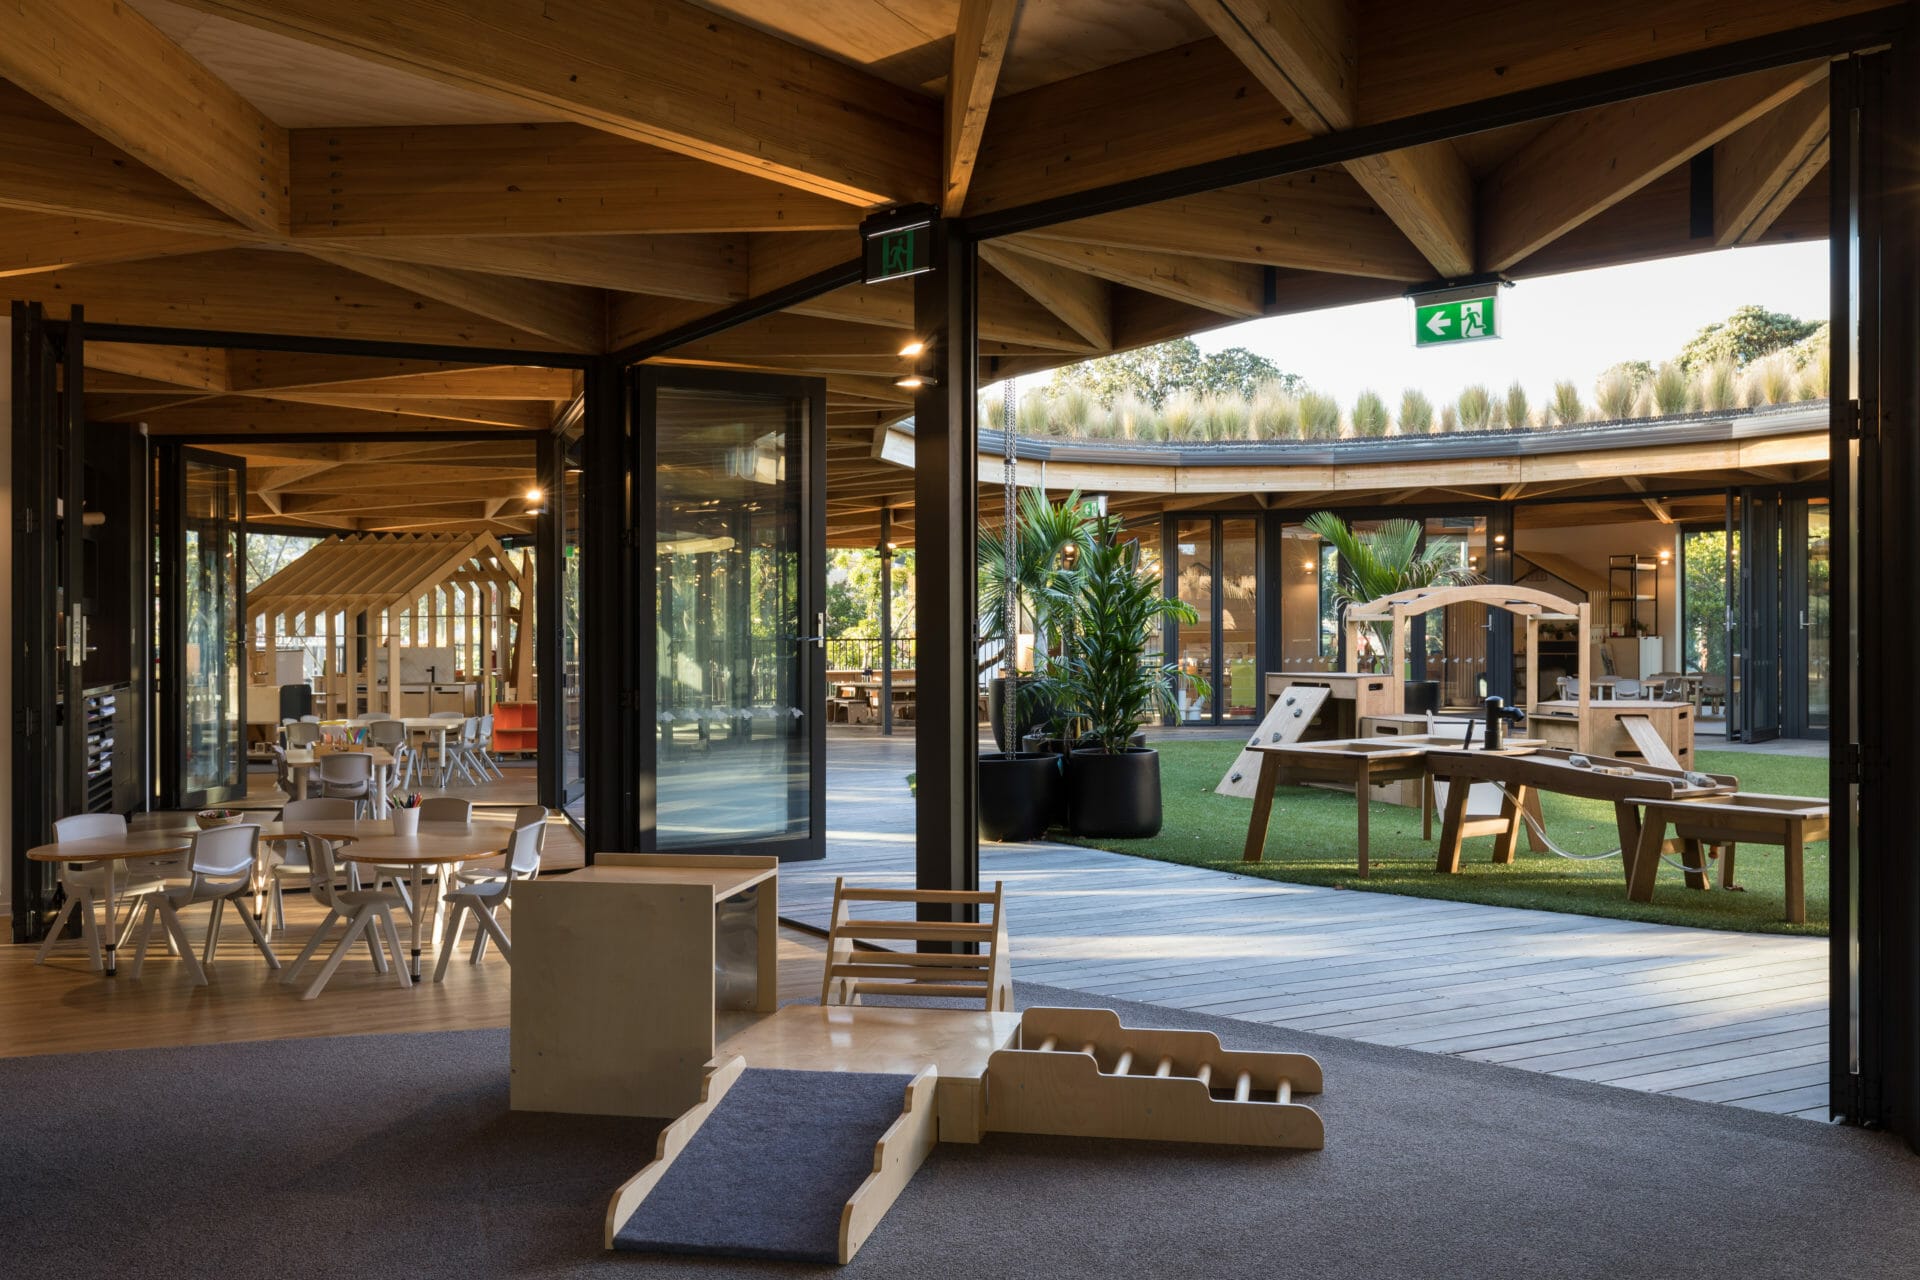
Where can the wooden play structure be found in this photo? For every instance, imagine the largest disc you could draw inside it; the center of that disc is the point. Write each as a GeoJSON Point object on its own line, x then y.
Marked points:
{"type": "Point", "coordinates": [380, 601]}
{"type": "Point", "coordinates": [1533, 605]}
{"type": "Point", "coordinates": [854, 970]}
{"type": "Point", "coordinates": [856, 1096]}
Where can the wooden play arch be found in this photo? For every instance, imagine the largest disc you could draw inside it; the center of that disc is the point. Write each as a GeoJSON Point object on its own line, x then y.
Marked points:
{"type": "Point", "coordinates": [1534, 605]}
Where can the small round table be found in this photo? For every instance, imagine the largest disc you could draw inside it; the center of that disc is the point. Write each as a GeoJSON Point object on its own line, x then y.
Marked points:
{"type": "Point", "coordinates": [437, 844]}
{"type": "Point", "coordinates": [135, 844]}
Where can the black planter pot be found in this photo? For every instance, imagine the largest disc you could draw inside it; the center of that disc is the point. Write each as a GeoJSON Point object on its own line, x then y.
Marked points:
{"type": "Point", "coordinates": [1034, 712]}
{"type": "Point", "coordinates": [1114, 795]}
{"type": "Point", "coordinates": [1422, 697]}
{"type": "Point", "coordinates": [1020, 795]}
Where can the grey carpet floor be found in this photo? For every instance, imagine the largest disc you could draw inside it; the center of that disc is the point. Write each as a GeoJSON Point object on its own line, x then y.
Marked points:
{"type": "Point", "coordinates": [396, 1155]}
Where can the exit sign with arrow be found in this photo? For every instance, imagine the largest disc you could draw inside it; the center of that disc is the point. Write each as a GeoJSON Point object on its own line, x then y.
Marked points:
{"type": "Point", "coordinates": [1461, 320]}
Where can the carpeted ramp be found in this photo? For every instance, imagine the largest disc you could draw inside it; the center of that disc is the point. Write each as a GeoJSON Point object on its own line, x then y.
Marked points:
{"type": "Point", "coordinates": [767, 1174]}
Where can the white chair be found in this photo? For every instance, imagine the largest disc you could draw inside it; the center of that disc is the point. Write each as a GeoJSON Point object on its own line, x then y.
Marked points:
{"type": "Point", "coordinates": [222, 864]}
{"type": "Point", "coordinates": [483, 901]}
{"type": "Point", "coordinates": [364, 911]}
{"type": "Point", "coordinates": [287, 862]}
{"type": "Point", "coordinates": [85, 884]}
{"type": "Point", "coordinates": [302, 733]}
{"type": "Point", "coordinates": [347, 775]}
{"type": "Point", "coordinates": [491, 869]}
{"type": "Point", "coordinates": [481, 749]}
{"type": "Point", "coordinates": [446, 809]}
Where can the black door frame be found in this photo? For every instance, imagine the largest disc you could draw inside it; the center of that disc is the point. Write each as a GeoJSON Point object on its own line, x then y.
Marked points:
{"type": "Point", "coordinates": [810, 460]}
{"type": "Point", "coordinates": [170, 498]}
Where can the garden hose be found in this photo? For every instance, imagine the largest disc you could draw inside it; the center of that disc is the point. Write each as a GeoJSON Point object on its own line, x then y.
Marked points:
{"type": "Point", "coordinates": [1540, 833]}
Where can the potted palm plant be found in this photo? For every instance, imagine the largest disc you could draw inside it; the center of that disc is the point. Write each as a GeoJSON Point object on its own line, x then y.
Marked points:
{"type": "Point", "coordinates": [1105, 682]}
{"type": "Point", "coordinates": [1383, 561]}
{"type": "Point", "coordinates": [1020, 577]}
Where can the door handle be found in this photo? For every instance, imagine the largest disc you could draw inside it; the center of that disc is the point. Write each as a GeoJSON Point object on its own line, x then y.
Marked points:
{"type": "Point", "coordinates": [820, 631]}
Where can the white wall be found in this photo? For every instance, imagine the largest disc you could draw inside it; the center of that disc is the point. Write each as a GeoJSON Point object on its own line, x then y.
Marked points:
{"type": "Point", "coordinates": [1590, 545]}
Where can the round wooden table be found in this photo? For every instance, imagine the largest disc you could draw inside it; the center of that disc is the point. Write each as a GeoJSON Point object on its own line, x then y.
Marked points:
{"type": "Point", "coordinates": [135, 844]}
{"type": "Point", "coordinates": [437, 844]}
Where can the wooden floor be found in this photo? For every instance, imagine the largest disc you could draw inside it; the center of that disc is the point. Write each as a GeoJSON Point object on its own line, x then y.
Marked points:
{"type": "Point", "coordinates": [1724, 1017]}
{"type": "Point", "coordinates": [63, 1007]}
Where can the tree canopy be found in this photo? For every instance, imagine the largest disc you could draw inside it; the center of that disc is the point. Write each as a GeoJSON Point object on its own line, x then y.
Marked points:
{"type": "Point", "coordinates": [1745, 336]}
{"type": "Point", "coordinates": [1153, 373]}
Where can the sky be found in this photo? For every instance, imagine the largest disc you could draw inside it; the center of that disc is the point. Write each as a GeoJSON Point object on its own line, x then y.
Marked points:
{"type": "Point", "coordinates": [1560, 327]}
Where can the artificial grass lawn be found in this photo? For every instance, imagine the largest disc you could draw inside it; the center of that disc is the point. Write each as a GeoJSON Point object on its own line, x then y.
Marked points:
{"type": "Point", "coordinates": [1311, 841]}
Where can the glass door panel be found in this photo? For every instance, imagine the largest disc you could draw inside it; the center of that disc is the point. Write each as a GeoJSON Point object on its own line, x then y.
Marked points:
{"type": "Point", "coordinates": [1309, 571]}
{"type": "Point", "coordinates": [1760, 604]}
{"type": "Point", "coordinates": [1455, 641]}
{"type": "Point", "coordinates": [738, 575]}
{"type": "Point", "coordinates": [573, 785]}
{"type": "Point", "coordinates": [1816, 619]}
{"type": "Point", "coordinates": [1193, 582]}
{"type": "Point", "coordinates": [1238, 694]}
{"type": "Point", "coordinates": [205, 628]}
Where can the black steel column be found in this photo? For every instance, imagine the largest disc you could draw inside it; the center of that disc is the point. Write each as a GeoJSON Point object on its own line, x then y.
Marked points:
{"type": "Point", "coordinates": [1499, 552]}
{"type": "Point", "coordinates": [549, 561]}
{"type": "Point", "coordinates": [885, 552]}
{"type": "Point", "coordinates": [609, 617]}
{"type": "Point", "coordinates": [947, 735]}
{"type": "Point", "coordinates": [36, 575]}
{"type": "Point", "coordinates": [1875, 886]}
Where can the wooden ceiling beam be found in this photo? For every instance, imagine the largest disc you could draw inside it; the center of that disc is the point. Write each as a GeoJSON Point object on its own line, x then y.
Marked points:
{"type": "Point", "coordinates": [705, 268]}
{"type": "Point", "coordinates": [200, 367]}
{"type": "Point", "coordinates": [670, 73]}
{"type": "Point", "coordinates": [34, 242]}
{"type": "Point", "coordinates": [1231, 288]}
{"type": "Point", "coordinates": [570, 315]}
{"type": "Point", "coordinates": [981, 37]}
{"type": "Point", "coordinates": [527, 415]}
{"type": "Point", "coordinates": [503, 382]}
{"type": "Point", "coordinates": [104, 65]}
{"type": "Point", "coordinates": [245, 415]}
{"type": "Point", "coordinates": [1084, 303]}
{"type": "Point", "coordinates": [50, 164]}
{"type": "Point", "coordinates": [1417, 56]}
{"type": "Point", "coordinates": [1305, 53]}
{"type": "Point", "coordinates": [1132, 120]}
{"type": "Point", "coordinates": [260, 291]}
{"type": "Point", "coordinates": [531, 180]}
{"type": "Point", "coordinates": [1762, 169]}
{"type": "Point", "coordinates": [1316, 221]}
{"type": "Point", "coordinates": [1585, 163]}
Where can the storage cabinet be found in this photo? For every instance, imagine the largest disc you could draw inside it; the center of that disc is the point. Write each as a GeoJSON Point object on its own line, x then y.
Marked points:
{"type": "Point", "coordinates": [516, 726]}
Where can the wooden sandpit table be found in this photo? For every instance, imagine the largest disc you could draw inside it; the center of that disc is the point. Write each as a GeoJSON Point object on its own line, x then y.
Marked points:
{"type": "Point", "coordinates": [1660, 790]}
{"type": "Point", "coordinates": [1360, 763]}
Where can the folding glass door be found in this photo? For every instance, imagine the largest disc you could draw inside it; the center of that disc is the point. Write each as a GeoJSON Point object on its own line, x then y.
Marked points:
{"type": "Point", "coordinates": [730, 481]}
{"type": "Point", "coordinates": [203, 609]}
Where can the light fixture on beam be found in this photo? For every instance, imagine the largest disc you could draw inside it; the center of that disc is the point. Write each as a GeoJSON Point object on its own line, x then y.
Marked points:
{"type": "Point", "coordinates": [915, 381]}
{"type": "Point", "coordinates": [534, 495]}
{"type": "Point", "coordinates": [913, 348]}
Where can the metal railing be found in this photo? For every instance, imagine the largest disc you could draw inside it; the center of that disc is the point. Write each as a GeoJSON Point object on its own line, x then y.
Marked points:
{"type": "Point", "coordinates": [863, 653]}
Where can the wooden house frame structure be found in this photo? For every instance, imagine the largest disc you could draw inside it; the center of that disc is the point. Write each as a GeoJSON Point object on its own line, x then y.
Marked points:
{"type": "Point", "coordinates": [1536, 606]}
{"type": "Point", "coordinates": [397, 590]}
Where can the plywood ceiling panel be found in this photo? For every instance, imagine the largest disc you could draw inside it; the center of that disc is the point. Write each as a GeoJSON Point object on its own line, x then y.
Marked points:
{"type": "Point", "coordinates": [305, 86]}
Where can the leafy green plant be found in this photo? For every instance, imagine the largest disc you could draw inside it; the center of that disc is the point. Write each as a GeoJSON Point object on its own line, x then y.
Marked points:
{"type": "Point", "coordinates": [1476, 408]}
{"type": "Point", "coordinates": [1672, 392]}
{"type": "Point", "coordinates": [1416, 413]}
{"type": "Point", "coordinates": [1103, 678]}
{"type": "Point", "coordinates": [1613, 394]}
{"type": "Point", "coordinates": [1719, 386]}
{"type": "Point", "coordinates": [1519, 414]}
{"type": "Point", "coordinates": [1386, 560]}
{"type": "Point", "coordinates": [1369, 415]}
{"type": "Point", "coordinates": [1319, 416]}
{"type": "Point", "coordinates": [1043, 532]}
{"type": "Point", "coordinates": [1565, 408]}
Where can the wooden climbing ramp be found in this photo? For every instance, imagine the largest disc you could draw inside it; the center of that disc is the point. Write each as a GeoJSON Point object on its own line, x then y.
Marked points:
{"type": "Point", "coordinates": [1288, 719]}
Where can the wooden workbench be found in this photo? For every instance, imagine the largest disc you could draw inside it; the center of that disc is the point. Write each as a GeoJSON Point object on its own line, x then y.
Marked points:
{"type": "Point", "coordinates": [614, 978]}
{"type": "Point", "coordinates": [1747, 817]}
{"type": "Point", "coordinates": [1525, 774]}
{"type": "Point", "coordinates": [1361, 763]}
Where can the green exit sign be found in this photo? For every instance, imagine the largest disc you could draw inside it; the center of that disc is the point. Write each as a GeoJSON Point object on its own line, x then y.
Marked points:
{"type": "Point", "coordinates": [898, 245]}
{"type": "Point", "coordinates": [1462, 320]}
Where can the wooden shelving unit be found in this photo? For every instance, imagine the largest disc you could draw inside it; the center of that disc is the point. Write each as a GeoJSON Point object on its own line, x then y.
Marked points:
{"type": "Point", "coordinates": [516, 726]}
{"type": "Point", "coordinates": [1633, 595]}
